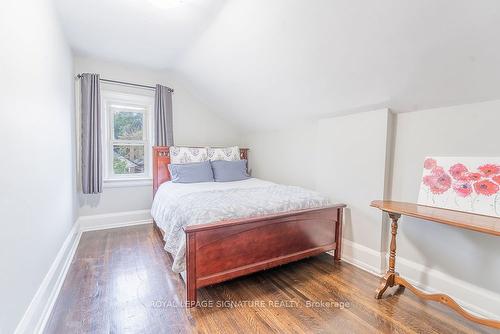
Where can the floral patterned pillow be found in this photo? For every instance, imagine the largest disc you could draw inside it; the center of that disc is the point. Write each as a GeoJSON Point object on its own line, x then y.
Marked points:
{"type": "Point", "coordinates": [183, 155]}
{"type": "Point", "coordinates": [224, 153]}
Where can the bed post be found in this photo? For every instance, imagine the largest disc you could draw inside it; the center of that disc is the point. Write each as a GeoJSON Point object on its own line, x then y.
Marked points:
{"type": "Point", "coordinates": [338, 235]}
{"type": "Point", "coordinates": [190, 269]}
{"type": "Point", "coordinates": [161, 160]}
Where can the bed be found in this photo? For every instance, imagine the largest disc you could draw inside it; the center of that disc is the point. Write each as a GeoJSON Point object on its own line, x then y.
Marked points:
{"type": "Point", "coordinates": [218, 231]}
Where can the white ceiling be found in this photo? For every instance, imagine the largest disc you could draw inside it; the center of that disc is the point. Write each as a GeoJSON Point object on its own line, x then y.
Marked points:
{"type": "Point", "coordinates": [135, 31]}
{"type": "Point", "coordinates": [265, 63]}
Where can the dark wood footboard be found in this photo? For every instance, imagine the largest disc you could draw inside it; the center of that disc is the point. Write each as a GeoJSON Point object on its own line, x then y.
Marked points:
{"type": "Point", "coordinates": [221, 251]}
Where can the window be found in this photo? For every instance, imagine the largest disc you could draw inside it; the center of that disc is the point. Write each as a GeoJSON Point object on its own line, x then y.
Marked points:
{"type": "Point", "coordinates": [128, 137]}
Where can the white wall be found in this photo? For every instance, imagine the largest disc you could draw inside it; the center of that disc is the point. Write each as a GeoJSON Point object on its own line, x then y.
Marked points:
{"type": "Point", "coordinates": [370, 156]}
{"type": "Point", "coordinates": [471, 257]}
{"type": "Point", "coordinates": [351, 166]}
{"type": "Point", "coordinates": [342, 157]}
{"type": "Point", "coordinates": [276, 155]}
{"type": "Point", "coordinates": [194, 124]}
{"type": "Point", "coordinates": [38, 197]}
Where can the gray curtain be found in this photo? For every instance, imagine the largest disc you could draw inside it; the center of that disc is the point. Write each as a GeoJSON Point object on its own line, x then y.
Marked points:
{"type": "Point", "coordinates": [91, 134]}
{"type": "Point", "coordinates": [163, 116]}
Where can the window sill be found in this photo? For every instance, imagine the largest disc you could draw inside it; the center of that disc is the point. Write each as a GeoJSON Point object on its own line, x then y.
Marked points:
{"type": "Point", "coordinates": [124, 183]}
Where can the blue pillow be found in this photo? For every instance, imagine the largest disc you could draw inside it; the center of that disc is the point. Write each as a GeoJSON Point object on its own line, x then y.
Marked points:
{"type": "Point", "coordinates": [226, 171]}
{"type": "Point", "coordinates": [191, 172]}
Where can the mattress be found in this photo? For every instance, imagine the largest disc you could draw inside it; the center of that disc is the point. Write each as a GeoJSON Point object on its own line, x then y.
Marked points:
{"type": "Point", "coordinates": [177, 205]}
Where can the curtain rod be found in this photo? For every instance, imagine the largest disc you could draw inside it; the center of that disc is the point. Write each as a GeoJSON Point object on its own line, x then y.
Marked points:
{"type": "Point", "coordinates": [128, 83]}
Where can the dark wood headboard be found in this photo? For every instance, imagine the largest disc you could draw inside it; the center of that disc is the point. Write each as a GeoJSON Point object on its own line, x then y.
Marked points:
{"type": "Point", "coordinates": [161, 160]}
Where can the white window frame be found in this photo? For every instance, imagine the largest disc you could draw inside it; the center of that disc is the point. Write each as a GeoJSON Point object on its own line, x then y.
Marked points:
{"type": "Point", "coordinates": [109, 98]}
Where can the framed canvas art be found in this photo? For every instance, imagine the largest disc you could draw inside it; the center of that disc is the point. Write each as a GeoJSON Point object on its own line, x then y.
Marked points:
{"type": "Point", "coordinates": [468, 184]}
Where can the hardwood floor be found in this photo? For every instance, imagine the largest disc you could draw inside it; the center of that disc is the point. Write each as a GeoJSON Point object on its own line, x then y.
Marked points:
{"type": "Point", "coordinates": [120, 282]}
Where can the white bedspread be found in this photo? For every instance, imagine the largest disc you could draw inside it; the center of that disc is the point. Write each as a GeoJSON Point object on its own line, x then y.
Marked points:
{"type": "Point", "coordinates": [177, 205]}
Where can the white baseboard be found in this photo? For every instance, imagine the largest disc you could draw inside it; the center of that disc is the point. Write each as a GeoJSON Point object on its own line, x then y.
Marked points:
{"type": "Point", "coordinates": [474, 299]}
{"type": "Point", "coordinates": [363, 257]}
{"type": "Point", "coordinates": [113, 220]}
{"type": "Point", "coordinates": [471, 297]}
{"type": "Point", "coordinates": [38, 312]}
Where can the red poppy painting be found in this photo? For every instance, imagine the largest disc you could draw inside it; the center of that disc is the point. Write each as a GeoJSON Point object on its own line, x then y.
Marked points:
{"type": "Point", "coordinates": [486, 188]}
{"type": "Point", "coordinates": [464, 184]}
{"type": "Point", "coordinates": [489, 170]}
{"type": "Point", "coordinates": [458, 171]}
{"type": "Point", "coordinates": [473, 176]}
{"type": "Point", "coordinates": [429, 163]}
{"type": "Point", "coordinates": [462, 188]}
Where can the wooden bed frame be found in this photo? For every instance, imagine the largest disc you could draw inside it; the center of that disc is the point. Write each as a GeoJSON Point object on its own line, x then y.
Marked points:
{"type": "Point", "coordinates": [221, 251]}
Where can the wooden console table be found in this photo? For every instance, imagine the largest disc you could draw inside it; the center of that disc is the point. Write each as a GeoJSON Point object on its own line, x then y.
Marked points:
{"type": "Point", "coordinates": [469, 221]}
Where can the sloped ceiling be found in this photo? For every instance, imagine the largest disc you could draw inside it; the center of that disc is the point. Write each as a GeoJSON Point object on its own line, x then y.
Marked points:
{"type": "Point", "coordinates": [151, 33]}
{"type": "Point", "coordinates": [267, 63]}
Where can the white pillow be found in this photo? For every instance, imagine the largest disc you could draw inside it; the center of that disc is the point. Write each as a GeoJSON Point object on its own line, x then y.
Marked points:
{"type": "Point", "coordinates": [183, 155]}
{"type": "Point", "coordinates": [224, 153]}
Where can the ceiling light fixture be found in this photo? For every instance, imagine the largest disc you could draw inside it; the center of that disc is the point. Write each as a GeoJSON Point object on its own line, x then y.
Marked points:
{"type": "Point", "coordinates": [167, 4]}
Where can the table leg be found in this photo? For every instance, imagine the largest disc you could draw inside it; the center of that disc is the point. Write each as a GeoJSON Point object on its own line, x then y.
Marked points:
{"type": "Point", "coordinates": [389, 278]}
{"type": "Point", "coordinates": [392, 278]}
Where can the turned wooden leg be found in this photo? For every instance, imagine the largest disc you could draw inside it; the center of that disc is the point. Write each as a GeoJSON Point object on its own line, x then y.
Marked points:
{"type": "Point", "coordinates": [387, 281]}
{"type": "Point", "coordinates": [338, 236]}
{"type": "Point", "coordinates": [389, 278]}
